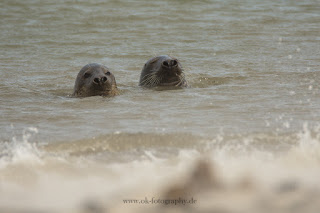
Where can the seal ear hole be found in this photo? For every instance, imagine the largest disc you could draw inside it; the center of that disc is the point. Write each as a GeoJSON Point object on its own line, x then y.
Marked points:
{"type": "Point", "coordinates": [108, 73]}
{"type": "Point", "coordinates": [86, 75]}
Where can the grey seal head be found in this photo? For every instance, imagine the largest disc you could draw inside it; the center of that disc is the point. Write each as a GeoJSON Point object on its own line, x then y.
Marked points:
{"type": "Point", "coordinates": [95, 79]}
{"type": "Point", "coordinates": [162, 71]}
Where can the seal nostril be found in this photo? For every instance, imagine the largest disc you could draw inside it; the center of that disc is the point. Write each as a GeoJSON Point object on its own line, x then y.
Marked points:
{"type": "Point", "coordinates": [96, 80]}
{"type": "Point", "coordinates": [165, 63]}
{"type": "Point", "coordinates": [174, 63]}
{"type": "Point", "coordinates": [104, 79]}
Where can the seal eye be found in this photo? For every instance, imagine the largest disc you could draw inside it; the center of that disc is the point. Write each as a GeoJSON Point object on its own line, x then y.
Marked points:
{"type": "Point", "coordinates": [86, 75]}
{"type": "Point", "coordinates": [108, 73]}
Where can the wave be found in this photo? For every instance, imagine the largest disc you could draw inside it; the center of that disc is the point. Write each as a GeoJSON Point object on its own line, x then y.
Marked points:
{"type": "Point", "coordinates": [252, 171]}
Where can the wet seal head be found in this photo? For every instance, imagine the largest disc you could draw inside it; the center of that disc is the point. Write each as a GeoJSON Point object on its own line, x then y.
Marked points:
{"type": "Point", "coordinates": [162, 71]}
{"type": "Point", "coordinates": [95, 79]}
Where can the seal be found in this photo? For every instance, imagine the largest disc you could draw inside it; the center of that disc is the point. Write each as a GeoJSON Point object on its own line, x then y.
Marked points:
{"type": "Point", "coordinates": [95, 79]}
{"type": "Point", "coordinates": [162, 71]}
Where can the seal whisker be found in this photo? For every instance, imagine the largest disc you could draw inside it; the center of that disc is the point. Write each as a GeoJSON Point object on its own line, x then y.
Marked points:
{"type": "Point", "coordinates": [181, 79]}
{"type": "Point", "coordinates": [147, 77]}
{"type": "Point", "coordinates": [151, 79]}
{"type": "Point", "coordinates": [157, 81]}
{"type": "Point", "coordinates": [147, 80]}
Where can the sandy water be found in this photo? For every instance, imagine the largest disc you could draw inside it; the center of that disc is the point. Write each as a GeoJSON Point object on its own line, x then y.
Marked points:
{"type": "Point", "coordinates": [252, 108]}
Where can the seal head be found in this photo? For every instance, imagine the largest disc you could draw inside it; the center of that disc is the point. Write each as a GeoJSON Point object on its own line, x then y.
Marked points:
{"type": "Point", "coordinates": [95, 79]}
{"type": "Point", "coordinates": [162, 71]}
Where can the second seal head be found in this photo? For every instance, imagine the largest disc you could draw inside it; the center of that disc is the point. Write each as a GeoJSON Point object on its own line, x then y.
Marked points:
{"type": "Point", "coordinates": [162, 71]}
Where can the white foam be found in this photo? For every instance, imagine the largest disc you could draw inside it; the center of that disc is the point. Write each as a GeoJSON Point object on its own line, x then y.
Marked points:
{"type": "Point", "coordinates": [60, 184]}
{"type": "Point", "coordinates": [20, 150]}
